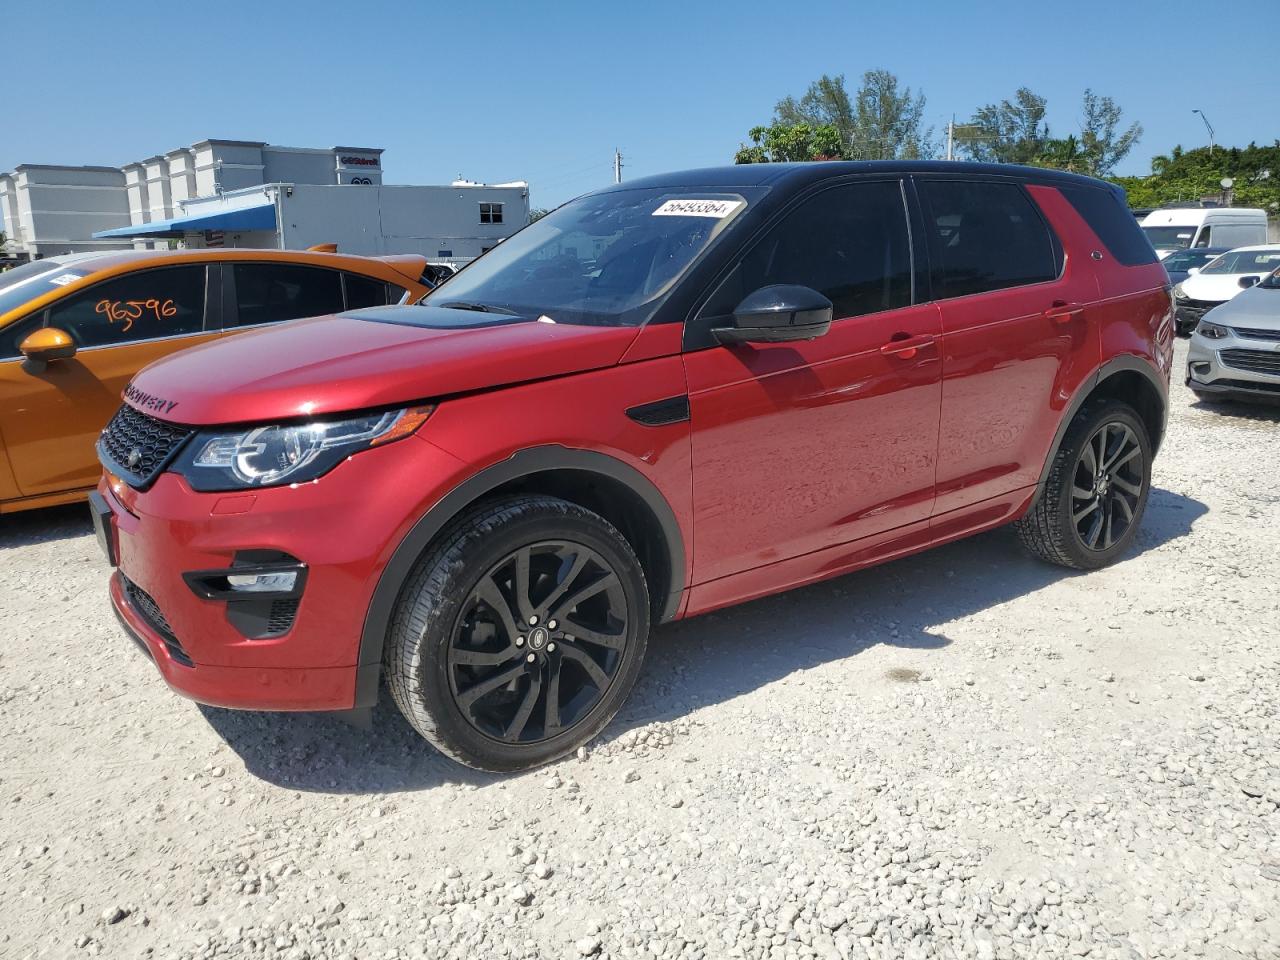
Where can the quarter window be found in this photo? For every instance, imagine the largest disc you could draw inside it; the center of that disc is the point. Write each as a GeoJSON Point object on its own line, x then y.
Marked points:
{"type": "Point", "coordinates": [984, 236]}
{"type": "Point", "coordinates": [490, 213]}
{"type": "Point", "coordinates": [366, 291]}
{"type": "Point", "coordinates": [850, 243]}
{"type": "Point", "coordinates": [145, 305]}
{"type": "Point", "coordinates": [271, 292]}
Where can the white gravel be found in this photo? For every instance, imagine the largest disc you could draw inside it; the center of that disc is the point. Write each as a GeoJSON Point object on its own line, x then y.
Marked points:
{"type": "Point", "coordinates": [962, 754]}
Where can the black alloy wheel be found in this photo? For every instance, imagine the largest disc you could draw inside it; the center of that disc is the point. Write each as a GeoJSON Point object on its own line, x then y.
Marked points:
{"type": "Point", "coordinates": [538, 641]}
{"type": "Point", "coordinates": [1107, 486]}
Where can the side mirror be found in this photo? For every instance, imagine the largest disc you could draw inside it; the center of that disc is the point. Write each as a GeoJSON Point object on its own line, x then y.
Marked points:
{"type": "Point", "coordinates": [47, 343]}
{"type": "Point", "coordinates": [1192, 270]}
{"type": "Point", "coordinates": [1247, 282]}
{"type": "Point", "coordinates": [778, 313]}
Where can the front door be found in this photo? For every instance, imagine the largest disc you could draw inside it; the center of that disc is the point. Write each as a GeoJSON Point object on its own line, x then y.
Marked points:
{"type": "Point", "coordinates": [805, 445]}
{"type": "Point", "coordinates": [50, 419]}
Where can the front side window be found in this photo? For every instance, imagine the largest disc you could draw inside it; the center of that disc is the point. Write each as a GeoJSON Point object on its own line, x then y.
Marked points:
{"type": "Point", "coordinates": [271, 292]}
{"type": "Point", "coordinates": [606, 259]}
{"type": "Point", "coordinates": [983, 237]}
{"type": "Point", "coordinates": [490, 213]}
{"type": "Point", "coordinates": [143, 305]}
{"type": "Point", "coordinates": [1205, 234]}
{"type": "Point", "coordinates": [850, 243]}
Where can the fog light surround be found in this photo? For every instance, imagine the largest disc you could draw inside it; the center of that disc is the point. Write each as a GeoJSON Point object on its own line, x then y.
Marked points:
{"type": "Point", "coordinates": [283, 581]}
{"type": "Point", "coordinates": [249, 581]}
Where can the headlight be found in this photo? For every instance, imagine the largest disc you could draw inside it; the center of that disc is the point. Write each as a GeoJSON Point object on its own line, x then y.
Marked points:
{"type": "Point", "coordinates": [1212, 331]}
{"type": "Point", "coordinates": [1179, 293]}
{"type": "Point", "coordinates": [291, 453]}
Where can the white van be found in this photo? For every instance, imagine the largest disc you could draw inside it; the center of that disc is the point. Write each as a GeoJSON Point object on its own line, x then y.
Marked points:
{"type": "Point", "coordinates": [1179, 228]}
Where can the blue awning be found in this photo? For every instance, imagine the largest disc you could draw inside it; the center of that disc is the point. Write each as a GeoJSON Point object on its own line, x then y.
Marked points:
{"type": "Point", "coordinates": [260, 217]}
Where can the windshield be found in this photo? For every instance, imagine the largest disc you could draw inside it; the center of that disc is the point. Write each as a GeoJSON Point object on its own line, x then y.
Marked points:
{"type": "Point", "coordinates": [1177, 238]}
{"type": "Point", "coordinates": [23, 284]}
{"type": "Point", "coordinates": [605, 259]}
{"type": "Point", "coordinates": [1186, 259]}
{"type": "Point", "coordinates": [1244, 261]}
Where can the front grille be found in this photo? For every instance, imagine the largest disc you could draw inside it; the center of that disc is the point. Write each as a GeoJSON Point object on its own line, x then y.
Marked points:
{"type": "Point", "coordinates": [137, 447]}
{"type": "Point", "coordinates": [1255, 361]}
{"type": "Point", "coordinates": [151, 612]}
{"type": "Point", "coordinates": [281, 617]}
{"type": "Point", "coordinates": [1250, 333]}
{"type": "Point", "coordinates": [1196, 306]}
{"type": "Point", "coordinates": [1253, 386]}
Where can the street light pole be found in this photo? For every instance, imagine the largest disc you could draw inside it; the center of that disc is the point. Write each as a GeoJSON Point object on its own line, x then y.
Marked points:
{"type": "Point", "coordinates": [1208, 126]}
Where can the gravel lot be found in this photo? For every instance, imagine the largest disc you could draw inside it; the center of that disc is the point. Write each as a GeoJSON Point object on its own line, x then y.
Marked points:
{"type": "Point", "coordinates": [962, 754]}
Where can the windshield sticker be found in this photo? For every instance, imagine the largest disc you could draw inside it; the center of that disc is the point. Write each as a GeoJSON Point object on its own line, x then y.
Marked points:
{"type": "Point", "coordinates": [716, 209]}
{"type": "Point", "coordinates": [63, 279]}
{"type": "Point", "coordinates": [127, 311]}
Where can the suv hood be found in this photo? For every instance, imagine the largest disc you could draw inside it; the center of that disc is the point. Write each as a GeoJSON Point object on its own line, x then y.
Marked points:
{"type": "Point", "coordinates": [1257, 308]}
{"type": "Point", "coordinates": [364, 359]}
{"type": "Point", "coordinates": [1213, 287]}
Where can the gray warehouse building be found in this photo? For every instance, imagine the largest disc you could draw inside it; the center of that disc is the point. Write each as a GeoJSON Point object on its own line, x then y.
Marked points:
{"type": "Point", "coordinates": [253, 194]}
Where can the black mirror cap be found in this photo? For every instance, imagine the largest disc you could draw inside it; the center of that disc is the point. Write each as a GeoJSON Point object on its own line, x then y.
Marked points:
{"type": "Point", "coordinates": [1246, 282]}
{"type": "Point", "coordinates": [778, 313]}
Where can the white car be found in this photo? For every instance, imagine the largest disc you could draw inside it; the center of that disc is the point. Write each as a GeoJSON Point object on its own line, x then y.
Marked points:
{"type": "Point", "coordinates": [1221, 279]}
{"type": "Point", "coordinates": [1235, 351]}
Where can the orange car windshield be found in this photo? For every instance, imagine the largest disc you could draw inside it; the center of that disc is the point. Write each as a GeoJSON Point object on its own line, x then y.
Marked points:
{"type": "Point", "coordinates": [23, 284]}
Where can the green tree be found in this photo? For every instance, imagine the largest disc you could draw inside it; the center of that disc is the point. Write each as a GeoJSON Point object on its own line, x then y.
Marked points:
{"type": "Point", "coordinates": [883, 120]}
{"type": "Point", "coordinates": [537, 213]}
{"type": "Point", "coordinates": [1011, 131]}
{"type": "Point", "coordinates": [1192, 175]}
{"type": "Point", "coordinates": [790, 142]}
{"type": "Point", "coordinates": [1064, 153]}
{"type": "Point", "coordinates": [1102, 141]}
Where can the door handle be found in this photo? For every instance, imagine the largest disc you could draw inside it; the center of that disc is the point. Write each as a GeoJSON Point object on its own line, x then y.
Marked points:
{"type": "Point", "coordinates": [1063, 312]}
{"type": "Point", "coordinates": [904, 345]}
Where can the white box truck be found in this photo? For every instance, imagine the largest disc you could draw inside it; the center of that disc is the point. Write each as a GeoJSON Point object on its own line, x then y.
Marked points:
{"type": "Point", "coordinates": [1180, 228]}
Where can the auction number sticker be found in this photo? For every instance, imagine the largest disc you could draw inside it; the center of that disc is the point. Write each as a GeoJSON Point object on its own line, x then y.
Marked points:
{"type": "Point", "coordinates": [64, 279]}
{"type": "Point", "coordinates": [716, 209]}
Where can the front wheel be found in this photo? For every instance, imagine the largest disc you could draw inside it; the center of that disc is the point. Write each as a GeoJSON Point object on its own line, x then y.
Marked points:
{"type": "Point", "coordinates": [519, 634]}
{"type": "Point", "coordinates": [1096, 492]}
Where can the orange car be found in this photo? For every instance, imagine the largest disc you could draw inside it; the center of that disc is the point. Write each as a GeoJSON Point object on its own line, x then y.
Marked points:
{"type": "Point", "coordinates": [75, 329]}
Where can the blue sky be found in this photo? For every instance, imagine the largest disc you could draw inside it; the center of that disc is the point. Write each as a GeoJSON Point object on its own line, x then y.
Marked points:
{"type": "Point", "coordinates": [500, 91]}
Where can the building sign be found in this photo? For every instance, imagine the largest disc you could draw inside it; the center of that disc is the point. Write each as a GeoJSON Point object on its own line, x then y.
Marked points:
{"type": "Point", "coordinates": [359, 161]}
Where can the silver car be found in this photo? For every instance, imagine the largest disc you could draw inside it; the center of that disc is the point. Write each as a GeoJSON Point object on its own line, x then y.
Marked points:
{"type": "Point", "coordinates": [1235, 349]}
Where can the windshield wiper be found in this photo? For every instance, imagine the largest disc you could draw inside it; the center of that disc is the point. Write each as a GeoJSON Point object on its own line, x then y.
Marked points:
{"type": "Point", "coordinates": [465, 305]}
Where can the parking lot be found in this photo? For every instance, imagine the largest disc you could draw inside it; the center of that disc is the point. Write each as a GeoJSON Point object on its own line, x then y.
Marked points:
{"type": "Point", "coordinates": [966, 753]}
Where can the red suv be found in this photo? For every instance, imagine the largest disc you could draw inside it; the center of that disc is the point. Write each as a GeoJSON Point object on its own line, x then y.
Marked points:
{"type": "Point", "coordinates": [661, 399]}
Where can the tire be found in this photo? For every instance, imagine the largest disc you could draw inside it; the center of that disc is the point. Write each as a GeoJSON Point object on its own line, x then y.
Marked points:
{"type": "Point", "coordinates": [1060, 525]}
{"type": "Point", "coordinates": [450, 635]}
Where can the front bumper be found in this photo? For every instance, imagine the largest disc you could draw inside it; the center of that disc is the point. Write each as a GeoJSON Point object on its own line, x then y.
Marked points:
{"type": "Point", "coordinates": [1234, 365]}
{"type": "Point", "coordinates": [1188, 313]}
{"type": "Point", "coordinates": [343, 527]}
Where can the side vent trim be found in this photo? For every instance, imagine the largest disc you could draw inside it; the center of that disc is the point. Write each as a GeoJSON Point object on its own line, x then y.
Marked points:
{"type": "Point", "coordinates": [661, 412]}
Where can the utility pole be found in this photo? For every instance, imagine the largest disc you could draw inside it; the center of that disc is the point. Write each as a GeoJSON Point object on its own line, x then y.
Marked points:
{"type": "Point", "coordinates": [951, 137]}
{"type": "Point", "coordinates": [1208, 127]}
{"type": "Point", "coordinates": [617, 165]}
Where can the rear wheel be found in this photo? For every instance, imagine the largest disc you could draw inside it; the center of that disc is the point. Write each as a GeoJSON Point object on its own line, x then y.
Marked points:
{"type": "Point", "coordinates": [1096, 492]}
{"type": "Point", "coordinates": [520, 633]}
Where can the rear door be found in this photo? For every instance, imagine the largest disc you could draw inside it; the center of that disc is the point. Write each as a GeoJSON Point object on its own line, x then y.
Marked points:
{"type": "Point", "coordinates": [804, 445]}
{"type": "Point", "coordinates": [1014, 318]}
{"type": "Point", "coordinates": [50, 419]}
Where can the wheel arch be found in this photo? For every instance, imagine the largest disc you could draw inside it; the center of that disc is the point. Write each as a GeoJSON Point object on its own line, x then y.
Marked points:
{"type": "Point", "coordinates": [597, 481]}
{"type": "Point", "coordinates": [1130, 378]}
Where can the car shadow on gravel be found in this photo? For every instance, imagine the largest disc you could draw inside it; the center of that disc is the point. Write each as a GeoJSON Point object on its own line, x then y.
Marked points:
{"type": "Point", "coordinates": [702, 661]}
{"type": "Point", "coordinates": [1262, 412]}
{"type": "Point", "coordinates": [44, 525]}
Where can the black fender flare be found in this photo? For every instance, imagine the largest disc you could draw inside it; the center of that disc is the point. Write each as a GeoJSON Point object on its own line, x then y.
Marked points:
{"type": "Point", "coordinates": [1120, 364]}
{"type": "Point", "coordinates": [521, 464]}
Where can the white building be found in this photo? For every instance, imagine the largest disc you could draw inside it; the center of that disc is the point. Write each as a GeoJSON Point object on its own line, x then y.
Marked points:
{"type": "Point", "coordinates": [252, 194]}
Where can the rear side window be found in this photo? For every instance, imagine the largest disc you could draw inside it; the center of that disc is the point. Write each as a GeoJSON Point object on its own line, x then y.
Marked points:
{"type": "Point", "coordinates": [983, 237]}
{"type": "Point", "coordinates": [144, 305]}
{"type": "Point", "coordinates": [271, 292]}
{"type": "Point", "coordinates": [1115, 226]}
{"type": "Point", "coordinates": [366, 291]}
